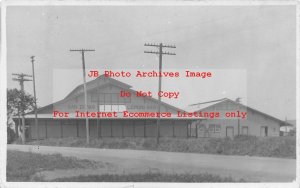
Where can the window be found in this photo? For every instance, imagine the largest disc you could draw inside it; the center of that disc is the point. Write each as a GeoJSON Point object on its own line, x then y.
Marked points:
{"type": "Point", "coordinates": [263, 131]}
{"type": "Point", "coordinates": [109, 98]}
{"type": "Point", "coordinates": [107, 108]}
{"type": "Point", "coordinates": [217, 128]}
{"type": "Point", "coordinates": [122, 108]}
{"type": "Point", "coordinates": [112, 108]}
{"type": "Point", "coordinates": [211, 128]}
{"type": "Point", "coordinates": [214, 128]}
{"type": "Point", "coordinates": [101, 108]}
{"type": "Point", "coordinates": [115, 108]}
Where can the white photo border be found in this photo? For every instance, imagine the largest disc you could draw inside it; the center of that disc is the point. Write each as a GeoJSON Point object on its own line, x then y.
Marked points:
{"type": "Point", "coordinates": [3, 87]}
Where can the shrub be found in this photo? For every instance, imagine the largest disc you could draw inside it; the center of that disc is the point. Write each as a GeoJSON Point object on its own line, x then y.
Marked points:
{"type": "Point", "coordinates": [241, 145]}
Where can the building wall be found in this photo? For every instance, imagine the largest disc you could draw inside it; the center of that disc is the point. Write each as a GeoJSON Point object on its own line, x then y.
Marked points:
{"type": "Point", "coordinates": [167, 129]}
{"type": "Point", "coordinates": [69, 128]}
{"type": "Point", "coordinates": [139, 126]}
{"type": "Point", "coordinates": [107, 95]}
{"type": "Point", "coordinates": [128, 128]}
{"type": "Point", "coordinates": [221, 127]}
{"type": "Point", "coordinates": [254, 123]}
{"type": "Point", "coordinates": [58, 128]}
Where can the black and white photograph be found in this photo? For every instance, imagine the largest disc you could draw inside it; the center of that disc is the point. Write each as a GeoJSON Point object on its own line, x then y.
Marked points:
{"type": "Point", "coordinates": [148, 94]}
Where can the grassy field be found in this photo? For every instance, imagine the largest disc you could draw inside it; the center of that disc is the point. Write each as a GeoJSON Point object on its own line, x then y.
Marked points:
{"type": "Point", "coordinates": [150, 177]}
{"type": "Point", "coordinates": [283, 147]}
{"type": "Point", "coordinates": [21, 166]}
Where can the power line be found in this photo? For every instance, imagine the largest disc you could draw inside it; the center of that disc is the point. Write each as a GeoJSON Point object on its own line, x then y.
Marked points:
{"type": "Point", "coordinates": [160, 53]}
{"type": "Point", "coordinates": [35, 105]}
{"type": "Point", "coordinates": [21, 78]}
{"type": "Point", "coordinates": [84, 87]}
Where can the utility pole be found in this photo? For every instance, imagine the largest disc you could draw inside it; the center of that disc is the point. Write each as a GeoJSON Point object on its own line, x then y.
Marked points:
{"type": "Point", "coordinates": [98, 109]}
{"type": "Point", "coordinates": [84, 88]}
{"type": "Point", "coordinates": [21, 78]}
{"type": "Point", "coordinates": [35, 106]}
{"type": "Point", "coordinates": [160, 53]}
{"type": "Point", "coordinates": [285, 123]}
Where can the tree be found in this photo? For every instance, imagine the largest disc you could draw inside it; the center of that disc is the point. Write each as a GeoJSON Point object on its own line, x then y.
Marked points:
{"type": "Point", "coordinates": [16, 106]}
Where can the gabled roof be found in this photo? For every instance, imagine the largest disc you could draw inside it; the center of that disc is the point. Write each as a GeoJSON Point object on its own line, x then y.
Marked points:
{"type": "Point", "coordinates": [199, 106]}
{"type": "Point", "coordinates": [204, 105]}
{"type": "Point", "coordinates": [93, 84]}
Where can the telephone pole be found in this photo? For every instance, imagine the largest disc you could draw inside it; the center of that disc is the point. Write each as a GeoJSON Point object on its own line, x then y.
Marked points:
{"type": "Point", "coordinates": [35, 106]}
{"type": "Point", "coordinates": [21, 78]}
{"type": "Point", "coordinates": [160, 53]}
{"type": "Point", "coordinates": [84, 88]}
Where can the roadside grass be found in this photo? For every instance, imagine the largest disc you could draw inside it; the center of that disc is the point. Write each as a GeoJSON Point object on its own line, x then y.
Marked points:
{"type": "Point", "coordinates": [149, 177]}
{"type": "Point", "coordinates": [282, 147]}
{"type": "Point", "coordinates": [21, 166]}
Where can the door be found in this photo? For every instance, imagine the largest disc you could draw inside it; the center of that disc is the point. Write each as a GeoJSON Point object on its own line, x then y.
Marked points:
{"type": "Point", "coordinates": [263, 131]}
{"type": "Point", "coordinates": [201, 128]}
{"type": "Point", "coordinates": [229, 132]}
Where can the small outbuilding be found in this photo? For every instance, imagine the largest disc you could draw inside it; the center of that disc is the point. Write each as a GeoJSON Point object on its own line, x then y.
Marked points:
{"type": "Point", "coordinates": [233, 119]}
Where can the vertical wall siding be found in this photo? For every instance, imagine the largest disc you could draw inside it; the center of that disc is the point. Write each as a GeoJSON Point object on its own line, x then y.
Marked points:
{"type": "Point", "coordinates": [93, 128]}
{"type": "Point", "coordinates": [69, 129]}
{"type": "Point", "coordinates": [116, 128]}
{"type": "Point", "coordinates": [139, 128]}
{"type": "Point", "coordinates": [57, 128]}
{"type": "Point", "coordinates": [105, 128]}
{"type": "Point", "coordinates": [128, 128]}
{"type": "Point", "coordinates": [151, 128]}
{"type": "Point", "coordinates": [166, 130]}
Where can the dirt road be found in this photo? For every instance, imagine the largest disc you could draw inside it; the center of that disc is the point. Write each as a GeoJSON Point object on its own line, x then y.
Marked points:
{"type": "Point", "coordinates": [262, 169]}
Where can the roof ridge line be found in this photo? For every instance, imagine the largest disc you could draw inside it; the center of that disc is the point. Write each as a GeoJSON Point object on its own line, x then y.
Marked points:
{"type": "Point", "coordinates": [208, 102]}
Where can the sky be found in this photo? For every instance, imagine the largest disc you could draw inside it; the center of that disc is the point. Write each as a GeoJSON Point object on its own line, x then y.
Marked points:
{"type": "Point", "coordinates": [250, 49]}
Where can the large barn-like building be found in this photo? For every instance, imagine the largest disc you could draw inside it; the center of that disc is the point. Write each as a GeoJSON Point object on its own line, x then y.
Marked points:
{"type": "Point", "coordinates": [103, 95]}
